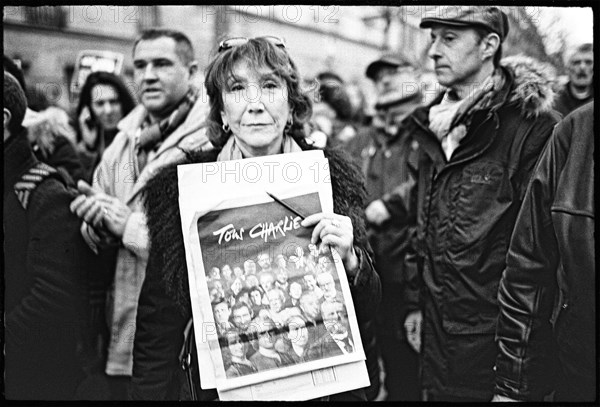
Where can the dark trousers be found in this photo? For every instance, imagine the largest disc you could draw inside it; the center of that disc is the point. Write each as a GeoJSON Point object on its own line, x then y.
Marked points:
{"type": "Point", "coordinates": [400, 361]}
{"type": "Point", "coordinates": [119, 387]}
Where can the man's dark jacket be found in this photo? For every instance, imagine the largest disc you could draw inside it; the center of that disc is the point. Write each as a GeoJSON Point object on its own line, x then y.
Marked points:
{"type": "Point", "coordinates": [45, 282]}
{"type": "Point", "coordinates": [552, 252]}
{"type": "Point", "coordinates": [565, 102]}
{"type": "Point", "coordinates": [466, 208]}
{"type": "Point", "coordinates": [164, 304]}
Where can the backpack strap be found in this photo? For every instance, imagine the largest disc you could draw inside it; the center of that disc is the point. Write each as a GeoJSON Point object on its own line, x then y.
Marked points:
{"type": "Point", "coordinates": [186, 355]}
{"type": "Point", "coordinates": [33, 178]}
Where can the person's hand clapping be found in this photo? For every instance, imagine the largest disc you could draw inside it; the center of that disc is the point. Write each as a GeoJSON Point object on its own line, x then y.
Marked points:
{"type": "Point", "coordinates": [99, 209]}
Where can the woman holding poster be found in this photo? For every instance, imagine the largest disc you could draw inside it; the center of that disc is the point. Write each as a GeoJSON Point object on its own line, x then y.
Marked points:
{"type": "Point", "coordinates": [256, 109]}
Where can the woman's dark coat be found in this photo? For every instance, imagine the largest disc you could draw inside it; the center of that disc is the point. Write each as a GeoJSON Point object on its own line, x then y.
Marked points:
{"type": "Point", "coordinates": [164, 304]}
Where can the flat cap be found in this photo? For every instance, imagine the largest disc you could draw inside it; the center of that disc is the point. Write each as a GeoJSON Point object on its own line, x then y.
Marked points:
{"type": "Point", "coordinates": [491, 18]}
{"type": "Point", "coordinates": [388, 60]}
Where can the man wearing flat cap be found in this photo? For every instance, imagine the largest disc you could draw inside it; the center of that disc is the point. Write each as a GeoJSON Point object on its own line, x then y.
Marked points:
{"type": "Point", "coordinates": [384, 150]}
{"type": "Point", "coordinates": [478, 143]}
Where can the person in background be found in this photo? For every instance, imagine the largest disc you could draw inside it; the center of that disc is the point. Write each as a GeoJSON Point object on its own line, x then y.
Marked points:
{"type": "Point", "coordinates": [168, 121]}
{"type": "Point", "coordinates": [51, 136]}
{"type": "Point", "coordinates": [547, 294]}
{"type": "Point", "coordinates": [579, 90]}
{"type": "Point", "coordinates": [332, 111]}
{"type": "Point", "coordinates": [46, 305]}
{"type": "Point", "coordinates": [478, 144]}
{"type": "Point", "coordinates": [388, 156]}
{"type": "Point", "coordinates": [103, 101]}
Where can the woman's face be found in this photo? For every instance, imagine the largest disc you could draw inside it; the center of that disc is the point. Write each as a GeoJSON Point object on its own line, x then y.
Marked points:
{"type": "Point", "coordinates": [298, 333]}
{"type": "Point", "coordinates": [236, 286]}
{"type": "Point", "coordinates": [106, 106]}
{"type": "Point", "coordinates": [256, 297]}
{"type": "Point", "coordinates": [236, 347]}
{"type": "Point", "coordinates": [256, 108]}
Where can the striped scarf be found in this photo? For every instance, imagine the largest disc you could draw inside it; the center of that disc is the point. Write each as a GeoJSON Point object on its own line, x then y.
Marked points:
{"type": "Point", "coordinates": [153, 134]}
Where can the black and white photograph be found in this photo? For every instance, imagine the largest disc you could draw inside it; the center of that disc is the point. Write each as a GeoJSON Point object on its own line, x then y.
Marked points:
{"type": "Point", "coordinates": [293, 311]}
{"type": "Point", "coordinates": [376, 201]}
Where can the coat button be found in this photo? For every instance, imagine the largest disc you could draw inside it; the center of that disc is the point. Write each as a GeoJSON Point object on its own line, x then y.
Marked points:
{"type": "Point", "coordinates": [387, 154]}
{"type": "Point", "coordinates": [565, 305]}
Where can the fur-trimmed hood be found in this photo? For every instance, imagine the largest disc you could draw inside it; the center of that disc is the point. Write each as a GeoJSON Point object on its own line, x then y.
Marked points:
{"type": "Point", "coordinates": [532, 84]}
{"type": "Point", "coordinates": [161, 203]}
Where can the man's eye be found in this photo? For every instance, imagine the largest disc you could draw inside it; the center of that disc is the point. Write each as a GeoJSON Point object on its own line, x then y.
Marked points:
{"type": "Point", "coordinates": [139, 65]}
{"type": "Point", "coordinates": [448, 39]}
{"type": "Point", "coordinates": [236, 87]}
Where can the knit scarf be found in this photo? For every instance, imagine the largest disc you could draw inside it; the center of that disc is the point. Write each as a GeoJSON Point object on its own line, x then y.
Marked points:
{"type": "Point", "coordinates": [231, 151]}
{"type": "Point", "coordinates": [450, 119]}
{"type": "Point", "coordinates": [153, 134]}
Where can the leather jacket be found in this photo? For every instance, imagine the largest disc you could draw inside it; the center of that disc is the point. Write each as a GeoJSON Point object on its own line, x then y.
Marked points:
{"type": "Point", "coordinates": [547, 290]}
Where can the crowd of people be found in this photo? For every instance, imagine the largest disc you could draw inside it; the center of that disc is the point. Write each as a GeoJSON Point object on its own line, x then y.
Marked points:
{"type": "Point", "coordinates": [293, 306]}
{"type": "Point", "coordinates": [464, 225]}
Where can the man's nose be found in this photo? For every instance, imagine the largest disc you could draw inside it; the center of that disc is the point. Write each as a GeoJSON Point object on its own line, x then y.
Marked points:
{"type": "Point", "coordinates": [149, 73]}
{"type": "Point", "coordinates": [108, 108]}
{"type": "Point", "coordinates": [434, 51]}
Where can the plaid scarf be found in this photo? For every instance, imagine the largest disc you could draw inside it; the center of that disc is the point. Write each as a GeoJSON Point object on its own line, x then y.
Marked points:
{"type": "Point", "coordinates": [450, 119]}
{"type": "Point", "coordinates": [153, 134]}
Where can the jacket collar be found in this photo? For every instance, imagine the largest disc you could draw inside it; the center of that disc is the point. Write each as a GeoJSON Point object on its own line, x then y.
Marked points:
{"type": "Point", "coordinates": [432, 146]}
{"type": "Point", "coordinates": [18, 158]}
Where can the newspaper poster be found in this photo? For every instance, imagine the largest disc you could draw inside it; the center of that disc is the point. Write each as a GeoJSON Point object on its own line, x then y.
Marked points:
{"type": "Point", "coordinates": [89, 61]}
{"type": "Point", "coordinates": [268, 306]}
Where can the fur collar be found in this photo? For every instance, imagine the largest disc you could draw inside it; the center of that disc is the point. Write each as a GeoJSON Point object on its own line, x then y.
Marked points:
{"type": "Point", "coordinates": [167, 254]}
{"type": "Point", "coordinates": [532, 85]}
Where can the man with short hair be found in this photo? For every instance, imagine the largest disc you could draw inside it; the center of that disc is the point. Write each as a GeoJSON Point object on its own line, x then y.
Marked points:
{"type": "Point", "coordinates": [267, 357]}
{"type": "Point", "coordinates": [337, 340]}
{"type": "Point", "coordinates": [264, 261]}
{"type": "Point", "coordinates": [478, 143]}
{"type": "Point", "coordinates": [241, 316]}
{"type": "Point", "coordinates": [277, 309]}
{"type": "Point", "coordinates": [168, 122]}
{"type": "Point", "coordinates": [386, 153]}
{"type": "Point", "coordinates": [222, 312]}
{"type": "Point", "coordinates": [45, 270]}
{"type": "Point", "coordinates": [249, 267]}
{"type": "Point", "coordinates": [579, 90]}
{"type": "Point", "coordinates": [326, 283]}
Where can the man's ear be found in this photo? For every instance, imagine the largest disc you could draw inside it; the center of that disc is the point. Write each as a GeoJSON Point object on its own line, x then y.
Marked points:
{"type": "Point", "coordinates": [7, 118]}
{"type": "Point", "coordinates": [490, 45]}
{"type": "Point", "coordinates": [193, 68]}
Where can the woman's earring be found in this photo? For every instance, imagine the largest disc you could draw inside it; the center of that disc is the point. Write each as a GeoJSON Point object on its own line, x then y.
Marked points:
{"type": "Point", "coordinates": [289, 124]}
{"type": "Point", "coordinates": [225, 127]}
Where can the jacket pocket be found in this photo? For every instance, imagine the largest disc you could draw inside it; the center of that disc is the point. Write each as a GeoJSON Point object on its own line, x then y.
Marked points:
{"type": "Point", "coordinates": [482, 198]}
{"type": "Point", "coordinates": [478, 234]}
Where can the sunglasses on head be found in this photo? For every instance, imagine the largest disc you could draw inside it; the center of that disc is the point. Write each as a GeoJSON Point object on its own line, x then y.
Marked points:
{"type": "Point", "coordinates": [237, 41]}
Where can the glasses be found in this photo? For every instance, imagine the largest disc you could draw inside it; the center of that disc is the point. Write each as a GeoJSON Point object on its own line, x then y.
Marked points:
{"type": "Point", "coordinates": [237, 41]}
